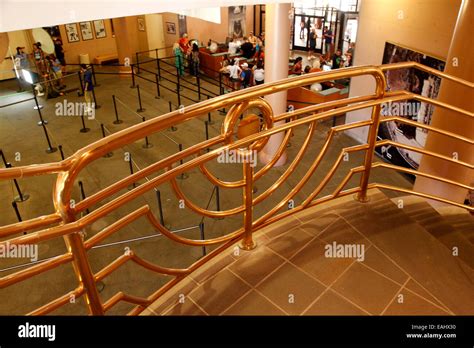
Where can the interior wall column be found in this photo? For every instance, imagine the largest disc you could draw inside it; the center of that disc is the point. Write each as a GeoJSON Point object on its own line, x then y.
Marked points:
{"type": "Point", "coordinates": [459, 64]}
{"type": "Point", "coordinates": [125, 49]}
{"type": "Point", "coordinates": [277, 41]}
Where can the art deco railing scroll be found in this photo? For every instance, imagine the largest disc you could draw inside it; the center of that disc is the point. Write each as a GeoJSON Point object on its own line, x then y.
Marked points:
{"type": "Point", "coordinates": [67, 221]}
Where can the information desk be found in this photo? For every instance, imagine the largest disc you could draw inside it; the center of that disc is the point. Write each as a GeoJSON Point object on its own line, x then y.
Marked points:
{"type": "Point", "coordinates": [211, 63]}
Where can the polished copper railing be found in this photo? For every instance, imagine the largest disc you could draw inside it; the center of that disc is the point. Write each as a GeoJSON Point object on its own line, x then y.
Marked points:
{"type": "Point", "coordinates": [64, 222]}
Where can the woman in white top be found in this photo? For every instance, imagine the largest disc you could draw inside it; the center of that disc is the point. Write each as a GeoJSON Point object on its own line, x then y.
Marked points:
{"type": "Point", "coordinates": [233, 46]}
{"type": "Point", "coordinates": [259, 74]}
{"type": "Point", "coordinates": [234, 72]}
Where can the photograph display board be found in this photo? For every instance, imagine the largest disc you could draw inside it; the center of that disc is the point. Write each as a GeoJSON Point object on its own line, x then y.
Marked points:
{"type": "Point", "coordinates": [415, 81]}
{"type": "Point", "coordinates": [237, 21]}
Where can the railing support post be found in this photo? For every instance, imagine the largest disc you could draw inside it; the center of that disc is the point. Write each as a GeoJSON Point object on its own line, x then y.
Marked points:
{"type": "Point", "coordinates": [84, 273]}
{"type": "Point", "coordinates": [247, 242]}
{"type": "Point", "coordinates": [369, 154]}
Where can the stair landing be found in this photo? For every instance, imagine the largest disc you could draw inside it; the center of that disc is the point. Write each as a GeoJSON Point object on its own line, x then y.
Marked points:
{"type": "Point", "coordinates": [404, 269]}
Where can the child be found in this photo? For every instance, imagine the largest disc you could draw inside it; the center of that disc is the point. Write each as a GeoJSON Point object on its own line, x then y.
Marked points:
{"type": "Point", "coordinates": [245, 75]}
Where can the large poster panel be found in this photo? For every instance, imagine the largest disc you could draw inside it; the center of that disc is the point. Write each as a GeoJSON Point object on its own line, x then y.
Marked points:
{"type": "Point", "coordinates": [237, 21]}
{"type": "Point", "coordinates": [417, 82]}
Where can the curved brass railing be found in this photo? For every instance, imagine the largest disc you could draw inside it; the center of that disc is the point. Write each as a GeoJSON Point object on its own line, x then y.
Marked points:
{"type": "Point", "coordinates": [65, 222]}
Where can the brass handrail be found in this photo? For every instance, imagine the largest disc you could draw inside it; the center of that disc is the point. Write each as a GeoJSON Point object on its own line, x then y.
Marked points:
{"type": "Point", "coordinates": [67, 170]}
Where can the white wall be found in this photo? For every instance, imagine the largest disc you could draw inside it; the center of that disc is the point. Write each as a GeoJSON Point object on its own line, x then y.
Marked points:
{"type": "Point", "coordinates": [26, 14]}
{"type": "Point", "coordinates": [422, 25]}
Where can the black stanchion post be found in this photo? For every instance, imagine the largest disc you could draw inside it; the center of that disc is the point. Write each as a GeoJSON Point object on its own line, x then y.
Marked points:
{"type": "Point", "coordinates": [133, 77]}
{"type": "Point", "coordinates": [80, 93]}
{"type": "Point", "coordinates": [140, 109]}
{"type": "Point", "coordinates": [147, 144]}
{"type": "Point", "coordinates": [117, 120]}
{"type": "Point", "coordinates": [209, 118]}
{"type": "Point", "coordinates": [138, 63]}
{"type": "Point", "coordinates": [160, 207]}
{"type": "Point", "coordinates": [130, 165]}
{"type": "Point", "coordinates": [108, 154]}
{"type": "Point", "coordinates": [201, 230]}
{"type": "Point", "coordinates": [207, 132]}
{"type": "Point", "coordinates": [50, 148]}
{"type": "Point", "coordinates": [84, 129]}
{"type": "Point", "coordinates": [17, 212]}
{"type": "Point", "coordinates": [83, 194]}
{"type": "Point", "coordinates": [173, 128]}
{"type": "Point", "coordinates": [3, 158]}
{"type": "Point", "coordinates": [178, 85]}
{"type": "Point", "coordinates": [93, 76]}
{"type": "Point", "coordinates": [157, 81]}
{"type": "Point", "coordinates": [156, 53]}
{"type": "Point", "coordinates": [61, 151]}
{"type": "Point", "coordinates": [21, 196]}
{"type": "Point", "coordinates": [221, 89]}
{"type": "Point", "coordinates": [199, 86]}
{"type": "Point", "coordinates": [218, 199]}
{"type": "Point", "coordinates": [182, 176]}
{"type": "Point", "coordinates": [159, 68]}
{"type": "Point", "coordinates": [38, 108]}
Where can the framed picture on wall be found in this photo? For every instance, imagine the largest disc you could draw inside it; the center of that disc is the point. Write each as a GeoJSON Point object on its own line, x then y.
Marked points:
{"type": "Point", "coordinates": [71, 32]}
{"type": "Point", "coordinates": [86, 30]}
{"type": "Point", "coordinates": [171, 28]}
{"type": "Point", "coordinates": [141, 24]}
{"type": "Point", "coordinates": [99, 29]}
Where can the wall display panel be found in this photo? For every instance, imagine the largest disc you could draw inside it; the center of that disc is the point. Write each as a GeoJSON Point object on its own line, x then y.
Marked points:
{"type": "Point", "coordinates": [417, 82]}
{"type": "Point", "coordinates": [86, 31]}
{"type": "Point", "coordinates": [99, 29]}
{"type": "Point", "coordinates": [71, 32]}
{"type": "Point", "coordinates": [237, 26]}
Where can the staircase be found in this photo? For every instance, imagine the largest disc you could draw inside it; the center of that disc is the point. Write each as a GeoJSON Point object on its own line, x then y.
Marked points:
{"type": "Point", "coordinates": [408, 268]}
{"type": "Point", "coordinates": [319, 250]}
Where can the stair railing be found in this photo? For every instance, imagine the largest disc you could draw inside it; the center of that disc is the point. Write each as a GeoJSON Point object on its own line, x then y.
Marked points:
{"type": "Point", "coordinates": [66, 221]}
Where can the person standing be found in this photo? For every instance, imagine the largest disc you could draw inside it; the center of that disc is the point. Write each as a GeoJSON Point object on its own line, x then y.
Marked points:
{"type": "Point", "coordinates": [59, 51]}
{"type": "Point", "coordinates": [178, 58]}
{"type": "Point", "coordinates": [247, 49]}
{"type": "Point", "coordinates": [253, 39]}
{"type": "Point", "coordinates": [21, 63]}
{"type": "Point", "coordinates": [233, 47]}
{"type": "Point", "coordinates": [88, 87]}
{"type": "Point", "coordinates": [327, 34]}
{"type": "Point", "coordinates": [312, 43]}
{"type": "Point", "coordinates": [259, 74]}
{"type": "Point", "coordinates": [195, 59]}
{"type": "Point", "coordinates": [234, 72]}
{"type": "Point", "coordinates": [245, 75]}
{"type": "Point", "coordinates": [38, 54]}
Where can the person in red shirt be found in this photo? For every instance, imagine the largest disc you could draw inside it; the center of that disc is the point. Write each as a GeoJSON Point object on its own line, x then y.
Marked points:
{"type": "Point", "coordinates": [298, 66]}
{"type": "Point", "coordinates": [184, 44]}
